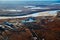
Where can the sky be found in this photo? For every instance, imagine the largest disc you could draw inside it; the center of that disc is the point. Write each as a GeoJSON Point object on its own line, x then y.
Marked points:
{"type": "Point", "coordinates": [29, 0]}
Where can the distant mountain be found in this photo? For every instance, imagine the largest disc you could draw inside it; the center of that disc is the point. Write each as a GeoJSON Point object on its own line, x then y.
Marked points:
{"type": "Point", "coordinates": [16, 4]}
{"type": "Point", "coordinates": [20, 5]}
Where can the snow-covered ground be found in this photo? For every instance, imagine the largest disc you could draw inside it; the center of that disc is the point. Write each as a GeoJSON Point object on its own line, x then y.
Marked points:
{"type": "Point", "coordinates": [47, 13]}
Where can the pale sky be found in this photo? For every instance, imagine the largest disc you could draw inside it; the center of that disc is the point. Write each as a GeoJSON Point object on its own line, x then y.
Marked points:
{"type": "Point", "coordinates": [29, 0]}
